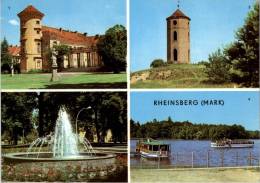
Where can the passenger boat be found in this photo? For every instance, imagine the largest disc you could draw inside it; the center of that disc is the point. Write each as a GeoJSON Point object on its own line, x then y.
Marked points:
{"type": "Point", "coordinates": [149, 148]}
{"type": "Point", "coordinates": [227, 143]}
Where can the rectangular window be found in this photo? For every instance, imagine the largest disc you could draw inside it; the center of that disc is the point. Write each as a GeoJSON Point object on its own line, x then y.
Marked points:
{"type": "Point", "coordinates": [78, 59]}
{"type": "Point", "coordinates": [38, 32]}
{"type": "Point", "coordinates": [37, 21]}
{"type": "Point", "coordinates": [38, 47]}
{"type": "Point", "coordinates": [88, 58]}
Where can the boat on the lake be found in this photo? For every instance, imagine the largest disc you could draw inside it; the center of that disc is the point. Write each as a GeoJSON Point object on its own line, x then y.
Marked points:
{"type": "Point", "coordinates": [150, 148]}
{"type": "Point", "coordinates": [228, 143]}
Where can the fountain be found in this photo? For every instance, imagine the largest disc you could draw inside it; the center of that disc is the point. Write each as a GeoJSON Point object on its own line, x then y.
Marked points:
{"type": "Point", "coordinates": [62, 148]}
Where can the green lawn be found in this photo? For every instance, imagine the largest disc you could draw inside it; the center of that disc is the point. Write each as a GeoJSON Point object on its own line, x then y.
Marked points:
{"type": "Point", "coordinates": [174, 76]}
{"type": "Point", "coordinates": [68, 80]}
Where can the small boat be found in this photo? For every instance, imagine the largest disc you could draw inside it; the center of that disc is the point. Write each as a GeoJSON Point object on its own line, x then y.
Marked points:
{"type": "Point", "coordinates": [150, 148]}
{"type": "Point", "coordinates": [227, 143]}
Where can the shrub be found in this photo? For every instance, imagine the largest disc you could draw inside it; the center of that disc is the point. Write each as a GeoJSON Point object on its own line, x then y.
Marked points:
{"type": "Point", "coordinates": [157, 63]}
{"type": "Point", "coordinates": [32, 71]}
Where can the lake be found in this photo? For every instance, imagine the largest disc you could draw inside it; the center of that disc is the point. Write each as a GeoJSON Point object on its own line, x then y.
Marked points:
{"type": "Point", "coordinates": [203, 155]}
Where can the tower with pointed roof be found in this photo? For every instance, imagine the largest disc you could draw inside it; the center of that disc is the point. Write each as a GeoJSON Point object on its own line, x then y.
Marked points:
{"type": "Point", "coordinates": [178, 38]}
{"type": "Point", "coordinates": [37, 39]}
{"type": "Point", "coordinates": [30, 39]}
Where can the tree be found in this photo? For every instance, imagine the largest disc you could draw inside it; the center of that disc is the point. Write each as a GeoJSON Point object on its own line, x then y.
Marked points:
{"type": "Point", "coordinates": [244, 52]}
{"type": "Point", "coordinates": [157, 63]}
{"type": "Point", "coordinates": [6, 58]}
{"type": "Point", "coordinates": [16, 113]}
{"type": "Point", "coordinates": [22, 112]}
{"type": "Point", "coordinates": [111, 106]}
{"type": "Point", "coordinates": [112, 47]}
{"type": "Point", "coordinates": [62, 51]}
{"type": "Point", "coordinates": [217, 69]}
{"type": "Point", "coordinates": [187, 130]}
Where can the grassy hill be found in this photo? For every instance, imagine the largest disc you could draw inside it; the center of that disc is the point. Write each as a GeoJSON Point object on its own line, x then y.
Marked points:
{"type": "Point", "coordinates": [174, 76]}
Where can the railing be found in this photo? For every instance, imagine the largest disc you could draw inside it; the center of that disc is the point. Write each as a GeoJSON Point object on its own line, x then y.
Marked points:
{"type": "Point", "coordinates": [197, 160]}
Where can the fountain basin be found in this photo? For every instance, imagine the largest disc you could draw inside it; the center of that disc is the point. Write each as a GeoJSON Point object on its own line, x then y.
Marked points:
{"type": "Point", "coordinates": [48, 156]}
{"type": "Point", "coordinates": [82, 167]}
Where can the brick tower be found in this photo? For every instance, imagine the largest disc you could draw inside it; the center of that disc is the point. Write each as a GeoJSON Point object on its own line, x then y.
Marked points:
{"type": "Point", "coordinates": [178, 38]}
{"type": "Point", "coordinates": [30, 38]}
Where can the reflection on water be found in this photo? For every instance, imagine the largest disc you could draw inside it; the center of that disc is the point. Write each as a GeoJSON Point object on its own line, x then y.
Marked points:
{"type": "Point", "coordinates": [198, 153]}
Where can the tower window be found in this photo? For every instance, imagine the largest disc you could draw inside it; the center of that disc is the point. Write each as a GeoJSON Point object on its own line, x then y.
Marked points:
{"type": "Point", "coordinates": [37, 22]}
{"type": "Point", "coordinates": [188, 55]}
{"type": "Point", "coordinates": [174, 22]}
{"type": "Point", "coordinates": [175, 36]}
{"type": "Point", "coordinates": [175, 54]}
{"type": "Point", "coordinates": [38, 47]}
{"type": "Point", "coordinates": [38, 32]}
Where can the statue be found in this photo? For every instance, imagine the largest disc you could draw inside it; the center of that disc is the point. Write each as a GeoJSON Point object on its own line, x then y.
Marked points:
{"type": "Point", "coordinates": [54, 54]}
{"type": "Point", "coordinates": [55, 75]}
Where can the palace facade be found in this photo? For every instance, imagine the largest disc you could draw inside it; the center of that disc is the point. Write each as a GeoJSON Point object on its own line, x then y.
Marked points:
{"type": "Point", "coordinates": [37, 40]}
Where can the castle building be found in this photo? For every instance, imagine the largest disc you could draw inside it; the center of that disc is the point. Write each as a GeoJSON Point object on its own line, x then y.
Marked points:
{"type": "Point", "coordinates": [37, 40]}
{"type": "Point", "coordinates": [178, 38]}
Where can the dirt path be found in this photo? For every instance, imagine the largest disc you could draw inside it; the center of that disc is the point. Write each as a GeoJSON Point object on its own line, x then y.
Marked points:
{"type": "Point", "coordinates": [196, 175]}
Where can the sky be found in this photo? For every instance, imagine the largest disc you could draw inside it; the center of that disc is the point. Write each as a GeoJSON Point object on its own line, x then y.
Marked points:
{"type": "Point", "coordinates": [240, 107]}
{"type": "Point", "coordinates": [213, 25]}
{"type": "Point", "coordinates": [91, 16]}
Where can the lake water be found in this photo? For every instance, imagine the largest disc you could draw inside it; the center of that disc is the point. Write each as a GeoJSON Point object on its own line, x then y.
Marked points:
{"type": "Point", "coordinates": [203, 155]}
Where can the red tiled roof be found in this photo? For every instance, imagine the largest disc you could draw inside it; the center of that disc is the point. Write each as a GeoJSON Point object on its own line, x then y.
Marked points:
{"type": "Point", "coordinates": [68, 37]}
{"type": "Point", "coordinates": [14, 50]}
{"type": "Point", "coordinates": [30, 11]}
{"type": "Point", "coordinates": [178, 14]}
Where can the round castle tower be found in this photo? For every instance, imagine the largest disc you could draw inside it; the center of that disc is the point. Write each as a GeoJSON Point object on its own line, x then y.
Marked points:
{"type": "Point", "coordinates": [30, 38]}
{"type": "Point", "coordinates": [178, 38]}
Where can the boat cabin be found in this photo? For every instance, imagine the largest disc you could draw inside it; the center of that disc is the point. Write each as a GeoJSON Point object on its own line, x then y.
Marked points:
{"type": "Point", "coordinates": [153, 148]}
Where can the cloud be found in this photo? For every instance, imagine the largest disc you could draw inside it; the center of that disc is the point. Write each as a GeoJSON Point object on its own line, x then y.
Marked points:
{"type": "Point", "coordinates": [13, 22]}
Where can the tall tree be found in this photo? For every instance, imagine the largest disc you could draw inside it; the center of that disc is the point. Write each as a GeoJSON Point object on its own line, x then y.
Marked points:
{"type": "Point", "coordinates": [16, 111]}
{"type": "Point", "coordinates": [244, 52]}
{"type": "Point", "coordinates": [112, 105]}
{"type": "Point", "coordinates": [112, 48]}
{"type": "Point", "coordinates": [6, 59]}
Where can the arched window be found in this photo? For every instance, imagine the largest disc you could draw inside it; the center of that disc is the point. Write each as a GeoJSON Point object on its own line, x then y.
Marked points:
{"type": "Point", "coordinates": [175, 54]}
{"type": "Point", "coordinates": [188, 55]}
{"type": "Point", "coordinates": [175, 36]}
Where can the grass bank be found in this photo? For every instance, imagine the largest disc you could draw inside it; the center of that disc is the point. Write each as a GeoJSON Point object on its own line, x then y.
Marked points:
{"type": "Point", "coordinates": [67, 80]}
{"type": "Point", "coordinates": [174, 76]}
{"type": "Point", "coordinates": [244, 175]}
